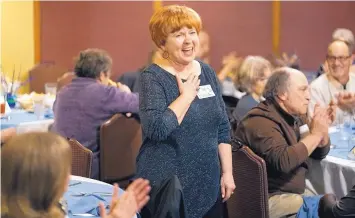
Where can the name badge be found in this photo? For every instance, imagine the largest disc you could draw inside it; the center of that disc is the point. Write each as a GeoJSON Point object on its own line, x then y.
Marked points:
{"type": "Point", "coordinates": [205, 92]}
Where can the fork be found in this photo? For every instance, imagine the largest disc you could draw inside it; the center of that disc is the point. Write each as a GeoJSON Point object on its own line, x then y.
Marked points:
{"type": "Point", "coordinates": [81, 194]}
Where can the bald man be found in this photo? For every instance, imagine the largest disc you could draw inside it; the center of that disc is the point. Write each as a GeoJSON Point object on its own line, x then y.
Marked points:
{"type": "Point", "coordinates": [338, 85]}
{"type": "Point", "coordinates": [275, 131]}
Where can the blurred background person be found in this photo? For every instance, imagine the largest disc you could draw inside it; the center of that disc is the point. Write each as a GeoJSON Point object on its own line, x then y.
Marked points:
{"type": "Point", "coordinates": [337, 85]}
{"type": "Point", "coordinates": [252, 77]}
{"type": "Point", "coordinates": [203, 53]}
{"type": "Point", "coordinates": [131, 79]}
{"type": "Point", "coordinates": [347, 36]}
{"type": "Point", "coordinates": [34, 188]}
{"type": "Point", "coordinates": [227, 76]}
{"type": "Point", "coordinates": [287, 61]}
{"type": "Point", "coordinates": [82, 106]}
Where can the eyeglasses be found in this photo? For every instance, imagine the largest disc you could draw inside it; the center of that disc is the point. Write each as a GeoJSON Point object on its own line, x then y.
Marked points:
{"type": "Point", "coordinates": [340, 58]}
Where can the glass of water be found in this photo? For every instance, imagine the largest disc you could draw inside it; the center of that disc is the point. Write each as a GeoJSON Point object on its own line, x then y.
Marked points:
{"type": "Point", "coordinates": [351, 147]}
{"type": "Point", "coordinates": [345, 126]}
{"type": "Point", "coordinates": [50, 88]}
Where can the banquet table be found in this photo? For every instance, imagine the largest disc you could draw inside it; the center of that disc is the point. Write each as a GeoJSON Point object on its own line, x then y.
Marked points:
{"type": "Point", "coordinates": [84, 194]}
{"type": "Point", "coordinates": [335, 173]}
{"type": "Point", "coordinates": [25, 121]}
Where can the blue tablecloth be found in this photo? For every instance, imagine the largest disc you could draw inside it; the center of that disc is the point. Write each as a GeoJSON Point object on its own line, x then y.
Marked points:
{"type": "Point", "coordinates": [84, 197]}
{"type": "Point", "coordinates": [341, 149]}
{"type": "Point", "coordinates": [17, 116]}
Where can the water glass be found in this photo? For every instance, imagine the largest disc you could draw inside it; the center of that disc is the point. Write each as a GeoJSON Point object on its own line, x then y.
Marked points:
{"type": "Point", "coordinates": [345, 126]}
{"type": "Point", "coordinates": [39, 109]}
{"type": "Point", "coordinates": [50, 88]}
{"type": "Point", "coordinates": [352, 122]}
{"type": "Point", "coordinates": [351, 146]}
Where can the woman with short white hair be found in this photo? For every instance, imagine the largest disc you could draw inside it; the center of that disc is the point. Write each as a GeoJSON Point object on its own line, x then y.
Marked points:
{"type": "Point", "coordinates": [252, 77]}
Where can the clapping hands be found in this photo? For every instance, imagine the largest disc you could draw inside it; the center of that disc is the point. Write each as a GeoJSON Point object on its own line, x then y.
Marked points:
{"type": "Point", "coordinates": [133, 199]}
{"type": "Point", "coordinates": [322, 119]}
{"type": "Point", "coordinates": [346, 101]}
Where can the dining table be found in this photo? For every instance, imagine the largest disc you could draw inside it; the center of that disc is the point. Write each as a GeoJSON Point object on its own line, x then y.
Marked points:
{"type": "Point", "coordinates": [26, 121]}
{"type": "Point", "coordinates": [336, 172]}
{"type": "Point", "coordinates": [84, 195]}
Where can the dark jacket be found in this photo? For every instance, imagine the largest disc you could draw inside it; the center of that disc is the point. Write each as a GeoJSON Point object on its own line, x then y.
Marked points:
{"type": "Point", "coordinates": [166, 200]}
{"type": "Point", "coordinates": [330, 208]}
{"type": "Point", "coordinates": [130, 79]}
{"type": "Point", "coordinates": [273, 134]}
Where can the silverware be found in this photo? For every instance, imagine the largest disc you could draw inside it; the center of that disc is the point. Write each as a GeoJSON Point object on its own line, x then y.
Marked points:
{"type": "Point", "coordinates": [82, 214]}
{"type": "Point", "coordinates": [75, 183]}
{"type": "Point", "coordinates": [81, 194]}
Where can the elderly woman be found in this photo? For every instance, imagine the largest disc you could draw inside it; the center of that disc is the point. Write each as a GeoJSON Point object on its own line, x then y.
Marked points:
{"type": "Point", "coordinates": [252, 77]}
{"type": "Point", "coordinates": [35, 174]}
{"type": "Point", "coordinates": [82, 106]}
{"type": "Point", "coordinates": [185, 125]}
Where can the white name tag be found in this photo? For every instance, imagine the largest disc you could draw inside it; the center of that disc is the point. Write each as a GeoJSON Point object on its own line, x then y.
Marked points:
{"type": "Point", "coordinates": [205, 92]}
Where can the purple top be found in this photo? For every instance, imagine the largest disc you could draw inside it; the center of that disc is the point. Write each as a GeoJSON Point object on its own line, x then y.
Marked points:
{"type": "Point", "coordinates": [83, 106]}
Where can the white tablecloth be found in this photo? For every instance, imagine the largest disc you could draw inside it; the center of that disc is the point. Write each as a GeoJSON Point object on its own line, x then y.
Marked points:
{"type": "Point", "coordinates": [331, 175]}
{"type": "Point", "coordinates": [334, 174]}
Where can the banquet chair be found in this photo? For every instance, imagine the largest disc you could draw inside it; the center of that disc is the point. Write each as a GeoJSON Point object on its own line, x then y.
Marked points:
{"type": "Point", "coordinates": [120, 141]}
{"type": "Point", "coordinates": [81, 159]}
{"type": "Point", "coordinates": [250, 198]}
{"type": "Point", "coordinates": [44, 73]}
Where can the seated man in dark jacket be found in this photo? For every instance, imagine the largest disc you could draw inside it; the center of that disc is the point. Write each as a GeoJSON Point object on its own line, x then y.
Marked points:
{"type": "Point", "coordinates": [329, 207]}
{"type": "Point", "coordinates": [272, 130]}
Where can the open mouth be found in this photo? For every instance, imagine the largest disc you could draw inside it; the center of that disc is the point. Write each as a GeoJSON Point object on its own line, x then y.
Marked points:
{"type": "Point", "coordinates": [187, 51]}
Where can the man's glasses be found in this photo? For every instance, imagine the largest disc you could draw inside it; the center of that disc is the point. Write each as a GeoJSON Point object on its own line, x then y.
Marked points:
{"type": "Point", "coordinates": [341, 59]}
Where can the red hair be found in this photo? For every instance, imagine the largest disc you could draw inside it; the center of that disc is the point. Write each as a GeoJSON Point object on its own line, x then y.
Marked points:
{"type": "Point", "coordinates": [172, 18]}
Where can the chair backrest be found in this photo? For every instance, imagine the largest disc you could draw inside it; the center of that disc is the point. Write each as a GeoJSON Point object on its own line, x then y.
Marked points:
{"type": "Point", "coordinates": [120, 141]}
{"type": "Point", "coordinates": [65, 80]}
{"type": "Point", "coordinates": [44, 73]}
{"type": "Point", "coordinates": [250, 198]}
{"type": "Point", "coordinates": [81, 159]}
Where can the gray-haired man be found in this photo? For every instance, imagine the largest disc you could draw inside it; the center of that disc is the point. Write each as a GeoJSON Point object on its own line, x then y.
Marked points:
{"type": "Point", "coordinates": [273, 131]}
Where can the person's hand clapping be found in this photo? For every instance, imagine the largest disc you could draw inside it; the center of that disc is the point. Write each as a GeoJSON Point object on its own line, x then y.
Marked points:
{"type": "Point", "coordinates": [131, 201]}
{"type": "Point", "coordinates": [346, 101]}
{"type": "Point", "coordinates": [320, 124]}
